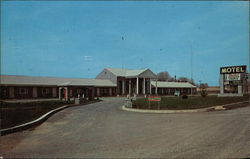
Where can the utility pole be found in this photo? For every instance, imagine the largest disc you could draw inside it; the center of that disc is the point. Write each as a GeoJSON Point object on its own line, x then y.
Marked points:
{"type": "Point", "coordinates": [191, 65]}
{"type": "Point", "coordinates": [156, 89]}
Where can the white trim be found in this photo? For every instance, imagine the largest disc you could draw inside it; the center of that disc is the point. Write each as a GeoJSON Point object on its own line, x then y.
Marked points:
{"type": "Point", "coordinates": [143, 86]}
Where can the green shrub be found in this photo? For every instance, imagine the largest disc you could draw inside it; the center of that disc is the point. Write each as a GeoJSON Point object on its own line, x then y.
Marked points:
{"type": "Point", "coordinates": [196, 102]}
{"type": "Point", "coordinates": [203, 93]}
{"type": "Point", "coordinates": [184, 96]}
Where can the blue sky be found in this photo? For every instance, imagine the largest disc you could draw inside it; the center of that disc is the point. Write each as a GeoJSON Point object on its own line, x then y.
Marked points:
{"type": "Point", "coordinates": [80, 38]}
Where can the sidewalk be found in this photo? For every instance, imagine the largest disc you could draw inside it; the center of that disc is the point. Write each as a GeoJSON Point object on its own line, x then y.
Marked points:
{"type": "Point", "coordinates": [30, 100]}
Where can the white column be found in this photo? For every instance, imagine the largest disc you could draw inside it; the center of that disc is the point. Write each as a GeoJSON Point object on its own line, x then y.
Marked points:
{"type": "Point", "coordinates": [129, 86]}
{"type": "Point", "coordinates": [137, 85]}
{"type": "Point", "coordinates": [123, 87]}
{"type": "Point", "coordinates": [67, 94]}
{"type": "Point", "coordinates": [150, 89]}
{"type": "Point", "coordinates": [143, 86]}
{"type": "Point", "coordinates": [60, 94]}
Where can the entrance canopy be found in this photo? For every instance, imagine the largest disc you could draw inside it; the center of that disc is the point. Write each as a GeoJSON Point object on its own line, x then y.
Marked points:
{"type": "Point", "coordinates": [129, 81]}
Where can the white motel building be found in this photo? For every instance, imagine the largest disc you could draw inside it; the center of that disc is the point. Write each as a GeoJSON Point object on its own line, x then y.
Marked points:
{"type": "Point", "coordinates": [109, 82]}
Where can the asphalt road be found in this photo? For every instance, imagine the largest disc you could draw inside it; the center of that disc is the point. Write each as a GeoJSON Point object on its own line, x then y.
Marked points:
{"type": "Point", "coordinates": [104, 130]}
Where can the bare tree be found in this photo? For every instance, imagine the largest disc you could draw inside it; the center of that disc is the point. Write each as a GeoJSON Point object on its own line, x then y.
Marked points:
{"type": "Point", "coordinates": [203, 85]}
{"type": "Point", "coordinates": [185, 79]}
{"type": "Point", "coordinates": [164, 76]}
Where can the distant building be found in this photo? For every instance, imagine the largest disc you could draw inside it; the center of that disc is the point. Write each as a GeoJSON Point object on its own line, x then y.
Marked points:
{"type": "Point", "coordinates": [170, 88]}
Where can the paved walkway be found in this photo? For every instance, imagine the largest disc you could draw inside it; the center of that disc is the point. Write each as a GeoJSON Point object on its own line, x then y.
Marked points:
{"type": "Point", "coordinates": [28, 100]}
{"type": "Point", "coordinates": [104, 130]}
{"type": "Point", "coordinates": [31, 100]}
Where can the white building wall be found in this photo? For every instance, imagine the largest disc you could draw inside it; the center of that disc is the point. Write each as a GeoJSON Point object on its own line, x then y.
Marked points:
{"type": "Point", "coordinates": [106, 74]}
{"type": "Point", "coordinates": [147, 74]}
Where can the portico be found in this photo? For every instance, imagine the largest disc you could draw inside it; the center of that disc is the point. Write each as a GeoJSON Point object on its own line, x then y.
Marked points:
{"type": "Point", "coordinates": [67, 92]}
{"type": "Point", "coordinates": [138, 83]}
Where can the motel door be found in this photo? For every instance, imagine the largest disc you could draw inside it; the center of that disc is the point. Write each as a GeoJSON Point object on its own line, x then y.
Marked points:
{"type": "Point", "coordinates": [90, 95]}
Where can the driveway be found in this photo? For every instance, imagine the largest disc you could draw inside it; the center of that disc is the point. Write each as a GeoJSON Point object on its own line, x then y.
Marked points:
{"type": "Point", "coordinates": [104, 130]}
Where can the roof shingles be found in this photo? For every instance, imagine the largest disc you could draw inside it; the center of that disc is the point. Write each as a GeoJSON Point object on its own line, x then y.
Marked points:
{"type": "Point", "coordinates": [53, 81]}
{"type": "Point", "coordinates": [126, 72]}
{"type": "Point", "coordinates": [161, 84]}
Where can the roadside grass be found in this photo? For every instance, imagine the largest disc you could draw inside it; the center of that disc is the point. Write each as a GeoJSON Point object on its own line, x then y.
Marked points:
{"type": "Point", "coordinates": [12, 114]}
{"type": "Point", "coordinates": [193, 102]}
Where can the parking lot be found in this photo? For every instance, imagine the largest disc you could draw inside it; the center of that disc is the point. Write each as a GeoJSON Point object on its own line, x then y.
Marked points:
{"type": "Point", "coordinates": [103, 129]}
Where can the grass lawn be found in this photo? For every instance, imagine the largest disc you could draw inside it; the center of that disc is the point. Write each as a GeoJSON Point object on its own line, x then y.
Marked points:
{"type": "Point", "coordinates": [177, 103]}
{"type": "Point", "coordinates": [13, 114]}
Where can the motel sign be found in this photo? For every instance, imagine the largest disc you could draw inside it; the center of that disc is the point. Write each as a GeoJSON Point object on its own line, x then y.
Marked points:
{"type": "Point", "coordinates": [233, 69]}
{"type": "Point", "coordinates": [233, 81]}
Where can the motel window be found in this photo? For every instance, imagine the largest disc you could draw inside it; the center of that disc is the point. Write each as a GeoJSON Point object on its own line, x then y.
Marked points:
{"type": "Point", "coordinates": [23, 90]}
{"type": "Point", "coordinates": [79, 91]}
{"type": "Point", "coordinates": [45, 91]}
{"type": "Point", "coordinates": [3, 92]}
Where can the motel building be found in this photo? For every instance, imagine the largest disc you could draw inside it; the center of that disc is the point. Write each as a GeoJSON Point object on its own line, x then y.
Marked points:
{"type": "Point", "coordinates": [171, 88]}
{"type": "Point", "coordinates": [109, 82]}
{"type": "Point", "coordinates": [21, 87]}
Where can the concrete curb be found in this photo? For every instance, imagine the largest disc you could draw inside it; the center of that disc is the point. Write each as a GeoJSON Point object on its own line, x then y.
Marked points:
{"type": "Point", "coordinates": [35, 122]}
{"type": "Point", "coordinates": [217, 107]}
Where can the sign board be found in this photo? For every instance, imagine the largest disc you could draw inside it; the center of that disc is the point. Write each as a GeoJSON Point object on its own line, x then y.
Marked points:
{"type": "Point", "coordinates": [154, 98]}
{"type": "Point", "coordinates": [233, 69]}
{"type": "Point", "coordinates": [236, 82]}
{"type": "Point", "coordinates": [232, 77]}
